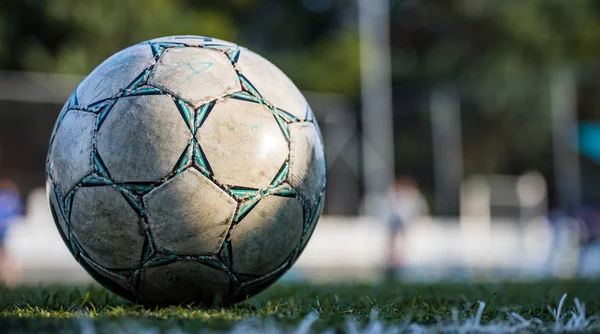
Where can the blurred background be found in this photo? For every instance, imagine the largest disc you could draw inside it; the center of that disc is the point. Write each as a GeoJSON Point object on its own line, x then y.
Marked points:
{"type": "Point", "coordinates": [462, 136]}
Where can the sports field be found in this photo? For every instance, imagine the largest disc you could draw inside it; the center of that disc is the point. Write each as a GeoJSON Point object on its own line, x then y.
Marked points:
{"type": "Point", "coordinates": [388, 307]}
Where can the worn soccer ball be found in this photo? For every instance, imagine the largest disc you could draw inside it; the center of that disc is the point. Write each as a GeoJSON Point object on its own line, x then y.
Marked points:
{"type": "Point", "coordinates": [186, 169]}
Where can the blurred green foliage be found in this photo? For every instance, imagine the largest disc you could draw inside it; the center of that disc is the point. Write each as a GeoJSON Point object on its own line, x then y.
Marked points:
{"type": "Point", "coordinates": [484, 43]}
{"type": "Point", "coordinates": [73, 36]}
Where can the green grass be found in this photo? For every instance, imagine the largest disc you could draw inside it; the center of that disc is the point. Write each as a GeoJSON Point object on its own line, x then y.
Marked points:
{"type": "Point", "coordinates": [52, 309]}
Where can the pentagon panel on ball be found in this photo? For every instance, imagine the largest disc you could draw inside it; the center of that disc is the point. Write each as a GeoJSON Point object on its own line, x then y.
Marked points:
{"type": "Point", "coordinates": [184, 281]}
{"type": "Point", "coordinates": [191, 40]}
{"type": "Point", "coordinates": [115, 74]}
{"type": "Point", "coordinates": [197, 75]}
{"type": "Point", "coordinates": [69, 158]}
{"type": "Point", "coordinates": [116, 278]}
{"type": "Point", "coordinates": [107, 227]}
{"type": "Point", "coordinates": [311, 220]}
{"type": "Point", "coordinates": [307, 162]}
{"type": "Point", "coordinates": [243, 143]}
{"type": "Point", "coordinates": [196, 204]}
{"type": "Point", "coordinates": [142, 138]}
{"type": "Point", "coordinates": [186, 169]}
{"type": "Point", "coordinates": [265, 237]}
{"type": "Point", "coordinates": [57, 210]}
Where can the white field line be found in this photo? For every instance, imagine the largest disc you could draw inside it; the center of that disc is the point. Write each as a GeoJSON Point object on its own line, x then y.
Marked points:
{"type": "Point", "coordinates": [573, 320]}
{"type": "Point", "coordinates": [564, 321]}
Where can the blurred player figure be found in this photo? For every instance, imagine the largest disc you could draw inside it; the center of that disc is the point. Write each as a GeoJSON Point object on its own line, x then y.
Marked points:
{"type": "Point", "coordinates": [10, 209]}
{"type": "Point", "coordinates": [407, 204]}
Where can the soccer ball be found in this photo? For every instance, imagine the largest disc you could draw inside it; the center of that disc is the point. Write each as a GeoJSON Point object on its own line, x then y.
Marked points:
{"type": "Point", "coordinates": [186, 169]}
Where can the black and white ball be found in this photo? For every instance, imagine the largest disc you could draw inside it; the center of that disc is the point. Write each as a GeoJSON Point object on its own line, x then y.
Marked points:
{"type": "Point", "coordinates": [186, 169]}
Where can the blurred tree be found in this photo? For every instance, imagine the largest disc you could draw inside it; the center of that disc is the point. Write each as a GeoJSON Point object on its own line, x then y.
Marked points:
{"type": "Point", "coordinates": [74, 36]}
